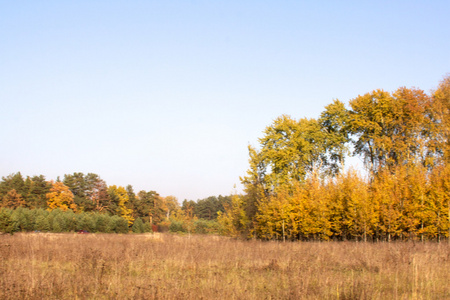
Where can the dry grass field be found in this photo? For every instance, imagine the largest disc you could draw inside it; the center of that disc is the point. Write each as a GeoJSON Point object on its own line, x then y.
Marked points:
{"type": "Point", "coordinates": [109, 266]}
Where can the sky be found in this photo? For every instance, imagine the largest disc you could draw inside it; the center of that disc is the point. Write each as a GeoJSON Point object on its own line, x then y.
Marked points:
{"type": "Point", "coordinates": [168, 95]}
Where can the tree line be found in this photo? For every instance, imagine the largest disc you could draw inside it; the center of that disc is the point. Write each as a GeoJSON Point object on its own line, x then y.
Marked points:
{"type": "Point", "coordinates": [80, 192]}
{"type": "Point", "coordinates": [297, 186]}
{"type": "Point", "coordinates": [36, 204]}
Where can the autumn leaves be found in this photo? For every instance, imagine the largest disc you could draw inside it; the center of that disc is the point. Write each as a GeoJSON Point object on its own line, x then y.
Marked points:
{"type": "Point", "coordinates": [296, 186]}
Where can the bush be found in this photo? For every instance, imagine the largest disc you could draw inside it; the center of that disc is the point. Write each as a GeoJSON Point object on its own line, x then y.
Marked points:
{"type": "Point", "coordinates": [24, 219]}
{"type": "Point", "coordinates": [58, 224]}
{"type": "Point", "coordinates": [163, 226]}
{"type": "Point", "coordinates": [118, 225]}
{"type": "Point", "coordinates": [138, 226]}
{"type": "Point", "coordinates": [203, 226]}
{"type": "Point", "coordinates": [70, 221]}
{"type": "Point", "coordinates": [147, 227]}
{"type": "Point", "coordinates": [177, 226]}
{"type": "Point", "coordinates": [102, 223]}
{"type": "Point", "coordinates": [7, 223]}
{"type": "Point", "coordinates": [86, 222]}
{"type": "Point", "coordinates": [42, 223]}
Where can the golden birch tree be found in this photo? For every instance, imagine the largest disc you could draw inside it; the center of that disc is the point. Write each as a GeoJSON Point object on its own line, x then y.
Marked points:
{"type": "Point", "coordinates": [60, 197]}
{"type": "Point", "coordinates": [120, 196]}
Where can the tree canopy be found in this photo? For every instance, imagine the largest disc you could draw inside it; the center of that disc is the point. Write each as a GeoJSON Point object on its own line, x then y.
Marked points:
{"type": "Point", "coordinates": [296, 186]}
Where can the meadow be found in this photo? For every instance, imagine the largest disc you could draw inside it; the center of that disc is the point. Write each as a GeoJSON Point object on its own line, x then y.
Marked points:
{"type": "Point", "coordinates": [168, 266]}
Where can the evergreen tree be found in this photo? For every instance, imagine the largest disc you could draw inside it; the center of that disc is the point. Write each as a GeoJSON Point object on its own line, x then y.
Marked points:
{"type": "Point", "coordinates": [138, 226]}
{"type": "Point", "coordinates": [37, 188]}
{"type": "Point", "coordinates": [7, 224]}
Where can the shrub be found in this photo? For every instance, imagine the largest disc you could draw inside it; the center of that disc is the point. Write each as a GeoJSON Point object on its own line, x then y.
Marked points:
{"type": "Point", "coordinates": [7, 223]}
{"type": "Point", "coordinates": [177, 226]}
{"type": "Point", "coordinates": [203, 226]}
{"type": "Point", "coordinates": [138, 226]}
{"type": "Point", "coordinates": [118, 225]}
{"type": "Point", "coordinates": [42, 223]}
{"type": "Point", "coordinates": [102, 223]}
{"type": "Point", "coordinates": [23, 218]}
{"type": "Point", "coordinates": [85, 222]}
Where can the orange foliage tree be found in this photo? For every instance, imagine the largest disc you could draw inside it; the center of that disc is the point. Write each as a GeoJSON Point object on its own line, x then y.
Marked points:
{"type": "Point", "coordinates": [13, 199]}
{"type": "Point", "coordinates": [60, 197]}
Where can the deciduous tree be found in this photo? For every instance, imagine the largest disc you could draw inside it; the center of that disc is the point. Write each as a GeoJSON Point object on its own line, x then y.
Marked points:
{"type": "Point", "coordinates": [60, 197]}
{"type": "Point", "coordinates": [13, 200]}
{"type": "Point", "coordinates": [120, 196]}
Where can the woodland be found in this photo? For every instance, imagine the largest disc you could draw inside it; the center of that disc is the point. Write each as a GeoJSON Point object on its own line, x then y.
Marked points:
{"type": "Point", "coordinates": [84, 202]}
{"type": "Point", "coordinates": [298, 185]}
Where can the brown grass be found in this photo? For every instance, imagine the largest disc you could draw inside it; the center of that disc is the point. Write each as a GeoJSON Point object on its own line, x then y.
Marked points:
{"type": "Point", "coordinates": [108, 266]}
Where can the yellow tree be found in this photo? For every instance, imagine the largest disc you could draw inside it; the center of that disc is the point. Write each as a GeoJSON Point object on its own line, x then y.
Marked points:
{"type": "Point", "coordinates": [391, 129]}
{"type": "Point", "coordinates": [300, 211]}
{"type": "Point", "coordinates": [318, 200]}
{"type": "Point", "coordinates": [234, 221]}
{"type": "Point", "coordinates": [120, 196]}
{"type": "Point", "coordinates": [440, 196]}
{"type": "Point", "coordinates": [60, 197]}
{"type": "Point", "coordinates": [297, 211]}
{"type": "Point", "coordinates": [292, 151]}
{"type": "Point", "coordinates": [336, 207]}
{"type": "Point", "coordinates": [386, 198]}
{"type": "Point", "coordinates": [351, 195]}
{"type": "Point", "coordinates": [186, 217]}
{"type": "Point", "coordinates": [441, 125]}
{"type": "Point", "coordinates": [370, 113]}
{"type": "Point", "coordinates": [277, 217]}
{"type": "Point", "coordinates": [409, 127]}
{"type": "Point", "coordinates": [419, 209]}
{"type": "Point", "coordinates": [172, 205]}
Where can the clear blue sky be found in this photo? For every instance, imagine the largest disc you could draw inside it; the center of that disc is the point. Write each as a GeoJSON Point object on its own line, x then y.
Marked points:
{"type": "Point", "coordinates": [167, 95]}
